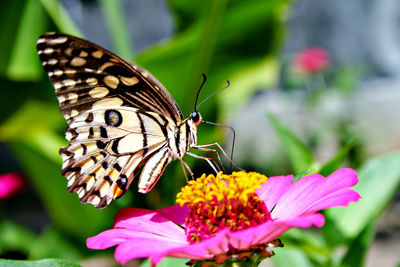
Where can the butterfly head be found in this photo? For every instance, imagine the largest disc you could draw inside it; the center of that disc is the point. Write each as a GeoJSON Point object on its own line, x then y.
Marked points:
{"type": "Point", "coordinates": [196, 118]}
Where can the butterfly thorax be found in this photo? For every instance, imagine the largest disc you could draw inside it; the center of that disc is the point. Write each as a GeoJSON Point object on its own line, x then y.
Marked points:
{"type": "Point", "coordinates": [185, 137]}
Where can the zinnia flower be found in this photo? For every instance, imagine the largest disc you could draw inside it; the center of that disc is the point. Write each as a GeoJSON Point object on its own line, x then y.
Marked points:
{"type": "Point", "coordinates": [228, 216]}
{"type": "Point", "coordinates": [10, 185]}
{"type": "Point", "coordinates": [311, 60]}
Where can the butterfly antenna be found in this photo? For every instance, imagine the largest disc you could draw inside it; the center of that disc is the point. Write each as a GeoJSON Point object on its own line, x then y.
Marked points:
{"type": "Point", "coordinates": [198, 92]}
{"type": "Point", "coordinates": [213, 94]}
{"type": "Point", "coordinates": [233, 138]}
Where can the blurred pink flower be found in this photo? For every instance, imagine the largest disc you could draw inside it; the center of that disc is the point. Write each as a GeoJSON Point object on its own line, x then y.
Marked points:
{"type": "Point", "coordinates": [171, 232]}
{"type": "Point", "coordinates": [10, 185]}
{"type": "Point", "coordinates": [311, 60]}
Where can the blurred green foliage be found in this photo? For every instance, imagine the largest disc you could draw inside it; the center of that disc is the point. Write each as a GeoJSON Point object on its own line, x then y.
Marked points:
{"type": "Point", "coordinates": [38, 263]}
{"type": "Point", "coordinates": [300, 156]}
{"type": "Point", "coordinates": [226, 39]}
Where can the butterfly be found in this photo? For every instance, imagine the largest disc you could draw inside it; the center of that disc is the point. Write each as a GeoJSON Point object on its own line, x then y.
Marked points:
{"type": "Point", "coordinates": [121, 120]}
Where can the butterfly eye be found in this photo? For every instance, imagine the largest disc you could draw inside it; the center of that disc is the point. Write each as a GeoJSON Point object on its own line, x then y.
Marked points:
{"type": "Point", "coordinates": [113, 117]}
{"type": "Point", "coordinates": [196, 117]}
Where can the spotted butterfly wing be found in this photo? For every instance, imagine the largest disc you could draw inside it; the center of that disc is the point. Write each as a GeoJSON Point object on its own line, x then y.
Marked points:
{"type": "Point", "coordinates": [121, 119]}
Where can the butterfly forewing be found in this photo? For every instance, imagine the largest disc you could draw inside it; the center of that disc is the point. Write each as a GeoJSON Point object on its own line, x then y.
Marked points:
{"type": "Point", "coordinates": [86, 76]}
{"type": "Point", "coordinates": [120, 118]}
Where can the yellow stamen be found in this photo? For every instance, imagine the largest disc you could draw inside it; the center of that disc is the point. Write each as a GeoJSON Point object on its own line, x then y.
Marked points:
{"type": "Point", "coordinates": [222, 201]}
{"type": "Point", "coordinates": [205, 189]}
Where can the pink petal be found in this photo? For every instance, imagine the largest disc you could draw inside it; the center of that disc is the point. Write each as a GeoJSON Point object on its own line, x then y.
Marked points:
{"type": "Point", "coordinates": [175, 213]}
{"type": "Point", "coordinates": [268, 232]}
{"type": "Point", "coordinates": [273, 189]}
{"type": "Point", "coordinates": [304, 193]}
{"type": "Point", "coordinates": [276, 229]}
{"type": "Point", "coordinates": [136, 232]}
{"type": "Point", "coordinates": [114, 237]}
{"type": "Point", "coordinates": [202, 250]}
{"type": "Point", "coordinates": [146, 247]}
{"type": "Point", "coordinates": [108, 238]}
{"type": "Point", "coordinates": [340, 198]}
{"type": "Point", "coordinates": [142, 220]}
{"type": "Point", "coordinates": [312, 60]}
{"type": "Point", "coordinates": [305, 221]}
{"type": "Point", "coordinates": [11, 184]}
{"type": "Point", "coordinates": [259, 234]}
{"type": "Point", "coordinates": [343, 178]}
{"type": "Point", "coordinates": [245, 238]}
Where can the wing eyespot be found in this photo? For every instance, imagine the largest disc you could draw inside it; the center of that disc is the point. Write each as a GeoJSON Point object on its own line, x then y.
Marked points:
{"type": "Point", "coordinates": [113, 117]}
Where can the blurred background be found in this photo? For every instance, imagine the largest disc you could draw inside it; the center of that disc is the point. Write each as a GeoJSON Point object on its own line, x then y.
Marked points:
{"type": "Point", "coordinates": [315, 85]}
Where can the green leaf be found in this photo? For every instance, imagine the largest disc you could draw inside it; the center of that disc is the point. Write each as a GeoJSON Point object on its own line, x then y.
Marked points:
{"type": "Point", "coordinates": [10, 16]}
{"type": "Point", "coordinates": [331, 234]}
{"type": "Point", "coordinates": [47, 143]}
{"type": "Point", "coordinates": [117, 27]}
{"type": "Point", "coordinates": [333, 164]}
{"type": "Point", "coordinates": [203, 57]}
{"type": "Point", "coordinates": [260, 75]}
{"type": "Point", "coordinates": [186, 14]}
{"type": "Point", "coordinates": [39, 263]}
{"type": "Point", "coordinates": [23, 62]}
{"type": "Point", "coordinates": [60, 17]}
{"type": "Point", "coordinates": [379, 180]}
{"type": "Point", "coordinates": [32, 117]}
{"type": "Point", "coordinates": [27, 21]}
{"type": "Point", "coordinates": [347, 78]}
{"type": "Point", "coordinates": [310, 243]}
{"type": "Point", "coordinates": [289, 256]}
{"type": "Point", "coordinates": [14, 237]}
{"type": "Point", "coordinates": [358, 247]}
{"type": "Point", "coordinates": [51, 244]}
{"type": "Point", "coordinates": [299, 155]}
{"type": "Point", "coordinates": [35, 124]}
{"type": "Point", "coordinates": [166, 262]}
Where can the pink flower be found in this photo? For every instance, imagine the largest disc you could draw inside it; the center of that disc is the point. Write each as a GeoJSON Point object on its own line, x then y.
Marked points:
{"type": "Point", "coordinates": [311, 60]}
{"type": "Point", "coordinates": [270, 209]}
{"type": "Point", "coordinates": [10, 185]}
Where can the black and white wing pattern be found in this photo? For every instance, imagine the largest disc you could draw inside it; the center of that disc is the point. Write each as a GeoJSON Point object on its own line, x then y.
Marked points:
{"type": "Point", "coordinates": [119, 118]}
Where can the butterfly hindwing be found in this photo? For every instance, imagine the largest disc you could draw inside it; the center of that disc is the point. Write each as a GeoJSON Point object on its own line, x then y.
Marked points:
{"type": "Point", "coordinates": [102, 157]}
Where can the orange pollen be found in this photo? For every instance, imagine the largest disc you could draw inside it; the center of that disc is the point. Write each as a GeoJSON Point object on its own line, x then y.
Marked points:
{"type": "Point", "coordinates": [222, 201]}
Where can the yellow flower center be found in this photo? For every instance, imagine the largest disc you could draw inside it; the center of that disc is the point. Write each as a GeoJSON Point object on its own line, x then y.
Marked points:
{"type": "Point", "coordinates": [222, 201]}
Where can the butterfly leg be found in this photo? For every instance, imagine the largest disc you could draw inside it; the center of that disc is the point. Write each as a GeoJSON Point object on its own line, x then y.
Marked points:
{"type": "Point", "coordinates": [210, 161]}
{"type": "Point", "coordinates": [203, 147]}
{"type": "Point", "coordinates": [214, 151]}
{"type": "Point", "coordinates": [186, 167]}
